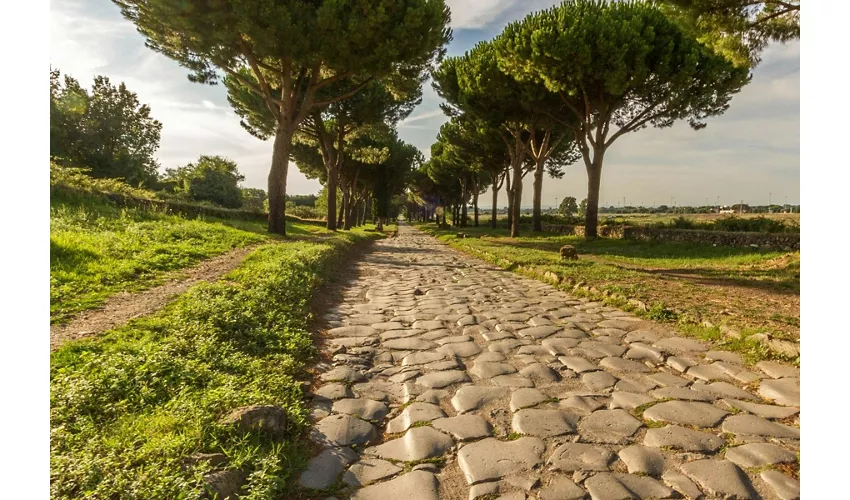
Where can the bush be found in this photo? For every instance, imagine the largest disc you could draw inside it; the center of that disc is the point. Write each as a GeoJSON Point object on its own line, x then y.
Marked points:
{"type": "Point", "coordinates": [79, 179]}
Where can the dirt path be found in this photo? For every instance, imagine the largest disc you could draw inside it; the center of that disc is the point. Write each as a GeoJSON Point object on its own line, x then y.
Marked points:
{"type": "Point", "coordinates": [123, 307]}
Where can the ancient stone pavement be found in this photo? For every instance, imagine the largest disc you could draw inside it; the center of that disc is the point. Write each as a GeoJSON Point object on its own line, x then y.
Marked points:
{"type": "Point", "coordinates": [453, 379]}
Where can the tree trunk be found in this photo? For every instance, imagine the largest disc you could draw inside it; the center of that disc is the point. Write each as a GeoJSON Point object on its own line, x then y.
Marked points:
{"type": "Point", "coordinates": [495, 206]}
{"type": "Point", "coordinates": [475, 202]}
{"type": "Point", "coordinates": [342, 207]}
{"type": "Point", "coordinates": [510, 193]}
{"type": "Point", "coordinates": [594, 178]}
{"type": "Point", "coordinates": [367, 210]}
{"type": "Point", "coordinates": [464, 194]}
{"type": "Point", "coordinates": [277, 180]}
{"type": "Point", "coordinates": [333, 182]}
{"type": "Point", "coordinates": [537, 223]}
{"type": "Point", "coordinates": [517, 200]}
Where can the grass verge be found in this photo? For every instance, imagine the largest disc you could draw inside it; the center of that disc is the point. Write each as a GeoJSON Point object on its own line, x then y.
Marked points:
{"type": "Point", "coordinates": [128, 407]}
{"type": "Point", "coordinates": [699, 289]}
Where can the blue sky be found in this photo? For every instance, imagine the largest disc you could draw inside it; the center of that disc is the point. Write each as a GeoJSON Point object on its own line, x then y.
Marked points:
{"type": "Point", "coordinates": [751, 151]}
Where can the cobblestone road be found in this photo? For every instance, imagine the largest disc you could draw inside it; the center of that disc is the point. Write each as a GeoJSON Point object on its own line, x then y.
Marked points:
{"type": "Point", "coordinates": [453, 379]}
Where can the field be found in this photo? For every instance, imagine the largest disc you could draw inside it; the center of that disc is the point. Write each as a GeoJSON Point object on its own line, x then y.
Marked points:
{"type": "Point", "coordinates": [699, 288]}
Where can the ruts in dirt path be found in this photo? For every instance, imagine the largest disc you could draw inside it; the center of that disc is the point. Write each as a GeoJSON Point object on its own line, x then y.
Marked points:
{"type": "Point", "coordinates": [448, 378]}
{"type": "Point", "coordinates": [123, 307]}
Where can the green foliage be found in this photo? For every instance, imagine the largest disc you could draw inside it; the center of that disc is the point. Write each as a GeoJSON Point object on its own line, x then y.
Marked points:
{"type": "Point", "coordinates": [79, 179]}
{"type": "Point", "coordinates": [129, 407]}
{"type": "Point", "coordinates": [254, 199]}
{"type": "Point", "coordinates": [568, 206]}
{"type": "Point", "coordinates": [212, 178]}
{"type": "Point", "coordinates": [738, 29]}
{"type": "Point", "coordinates": [97, 249]}
{"type": "Point", "coordinates": [582, 207]}
{"type": "Point", "coordinates": [105, 130]}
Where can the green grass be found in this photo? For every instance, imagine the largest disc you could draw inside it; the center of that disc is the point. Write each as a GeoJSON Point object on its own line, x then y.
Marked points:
{"type": "Point", "coordinates": [696, 287]}
{"type": "Point", "coordinates": [129, 406]}
{"type": "Point", "coordinates": [98, 249]}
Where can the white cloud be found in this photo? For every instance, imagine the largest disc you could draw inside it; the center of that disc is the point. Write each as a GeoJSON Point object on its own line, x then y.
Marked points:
{"type": "Point", "coordinates": [209, 105]}
{"type": "Point", "coordinates": [419, 117]}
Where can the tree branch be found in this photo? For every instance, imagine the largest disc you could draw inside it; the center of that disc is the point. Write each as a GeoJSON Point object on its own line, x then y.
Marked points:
{"type": "Point", "coordinates": [345, 95]}
{"type": "Point", "coordinates": [252, 61]}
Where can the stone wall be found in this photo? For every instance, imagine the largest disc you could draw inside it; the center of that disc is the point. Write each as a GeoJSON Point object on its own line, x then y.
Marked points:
{"type": "Point", "coordinates": [777, 241]}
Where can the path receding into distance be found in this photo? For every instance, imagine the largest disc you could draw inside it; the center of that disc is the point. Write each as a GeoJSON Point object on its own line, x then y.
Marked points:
{"type": "Point", "coordinates": [449, 378]}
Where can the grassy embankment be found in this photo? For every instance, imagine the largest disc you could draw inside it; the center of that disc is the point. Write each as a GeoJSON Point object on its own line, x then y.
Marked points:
{"type": "Point", "coordinates": [130, 406]}
{"type": "Point", "coordinates": [698, 288]}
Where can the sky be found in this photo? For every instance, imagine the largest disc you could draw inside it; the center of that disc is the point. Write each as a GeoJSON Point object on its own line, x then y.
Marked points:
{"type": "Point", "coordinates": [750, 153]}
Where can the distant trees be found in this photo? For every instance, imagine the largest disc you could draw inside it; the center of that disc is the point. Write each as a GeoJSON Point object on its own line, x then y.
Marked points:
{"type": "Point", "coordinates": [582, 207]}
{"type": "Point", "coordinates": [617, 67]}
{"type": "Point", "coordinates": [568, 206]}
{"type": "Point", "coordinates": [292, 57]}
{"type": "Point", "coordinates": [105, 129]}
{"type": "Point", "coordinates": [212, 178]}
{"type": "Point", "coordinates": [253, 198]}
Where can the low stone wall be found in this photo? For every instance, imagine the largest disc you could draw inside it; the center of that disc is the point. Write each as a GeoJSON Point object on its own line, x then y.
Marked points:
{"type": "Point", "coordinates": [776, 241]}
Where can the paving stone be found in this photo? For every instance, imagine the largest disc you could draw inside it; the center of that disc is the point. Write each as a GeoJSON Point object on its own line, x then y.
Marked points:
{"type": "Point", "coordinates": [369, 470]}
{"type": "Point", "coordinates": [464, 427]}
{"type": "Point", "coordinates": [490, 357]}
{"type": "Point", "coordinates": [352, 331]}
{"type": "Point", "coordinates": [682, 484]}
{"type": "Point", "coordinates": [624, 365]}
{"type": "Point", "coordinates": [679, 345]}
{"type": "Point", "coordinates": [635, 383]}
{"type": "Point", "coordinates": [334, 391]}
{"type": "Point", "coordinates": [479, 490]}
{"type": "Point", "coordinates": [512, 380]}
{"type": "Point", "coordinates": [429, 325]}
{"type": "Point", "coordinates": [680, 364]}
{"type": "Point", "coordinates": [757, 426]}
{"type": "Point", "coordinates": [612, 350]}
{"type": "Point", "coordinates": [438, 380]}
{"type": "Point", "coordinates": [570, 333]}
{"type": "Point", "coordinates": [709, 373]}
{"type": "Point", "coordinates": [416, 412]}
{"type": "Point", "coordinates": [420, 485]}
{"type": "Point", "coordinates": [364, 408]}
{"type": "Point", "coordinates": [507, 345]}
{"type": "Point", "coordinates": [559, 346]}
{"type": "Point", "coordinates": [526, 398]}
{"type": "Point", "coordinates": [682, 393]}
{"type": "Point", "coordinates": [513, 326]}
{"type": "Point", "coordinates": [571, 457]}
{"type": "Point", "coordinates": [643, 460]}
{"type": "Point", "coordinates": [365, 319]}
{"type": "Point", "coordinates": [724, 389]}
{"type": "Point", "coordinates": [538, 332]}
{"type": "Point", "coordinates": [421, 358]}
{"type": "Point", "coordinates": [608, 485]}
{"type": "Point", "coordinates": [766, 411]}
{"type": "Point", "coordinates": [643, 336]}
{"type": "Point", "coordinates": [387, 325]}
{"type": "Point", "coordinates": [436, 334]}
{"type": "Point", "coordinates": [325, 468]}
{"type": "Point", "coordinates": [544, 423]}
{"type": "Point", "coordinates": [784, 391]}
{"type": "Point", "coordinates": [665, 379]}
{"type": "Point", "coordinates": [738, 373]}
{"type": "Point", "coordinates": [685, 413]}
{"type": "Point", "coordinates": [533, 350]}
{"type": "Point", "coordinates": [583, 405]}
{"type": "Point", "coordinates": [449, 364]}
{"type": "Point", "coordinates": [785, 487]}
{"type": "Point", "coordinates": [628, 400]}
{"type": "Point", "coordinates": [609, 332]}
{"type": "Point", "coordinates": [498, 335]}
{"type": "Point", "coordinates": [597, 381]}
{"type": "Point", "coordinates": [400, 334]}
{"type": "Point", "coordinates": [466, 320]}
{"type": "Point", "coordinates": [491, 459]}
{"type": "Point", "coordinates": [471, 397]}
{"type": "Point", "coordinates": [489, 370]}
{"type": "Point", "coordinates": [621, 324]}
{"type": "Point", "coordinates": [608, 426]}
{"type": "Point", "coordinates": [405, 376]}
{"type": "Point", "coordinates": [417, 443]}
{"type": "Point", "coordinates": [540, 373]}
{"type": "Point", "coordinates": [342, 374]}
{"type": "Point", "coordinates": [578, 364]}
{"type": "Point", "coordinates": [342, 430]}
{"type": "Point", "coordinates": [454, 339]}
{"type": "Point", "coordinates": [759, 455]}
{"type": "Point", "coordinates": [720, 477]}
{"type": "Point", "coordinates": [639, 351]}
{"type": "Point", "coordinates": [778, 370]}
{"type": "Point", "coordinates": [729, 357]}
{"type": "Point", "coordinates": [409, 344]}
{"type": "Point", "coordinates": [681, 438]}
{"type": "Point", "coordinates": [561, 488]}
{"type": "Point", "coordinates": [461, 350]}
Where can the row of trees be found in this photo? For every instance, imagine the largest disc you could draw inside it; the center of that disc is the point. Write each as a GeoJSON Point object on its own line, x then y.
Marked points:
{"type": "Point", "coordinates": [567, 82]}
{"type": "Point", "coordinates": [291, 69]}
